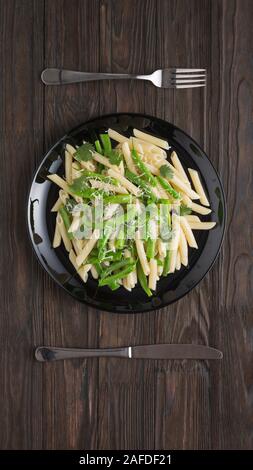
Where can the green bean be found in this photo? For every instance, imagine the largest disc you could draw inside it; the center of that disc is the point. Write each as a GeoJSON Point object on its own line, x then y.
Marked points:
{"type": "Point", "coordinates": [114, 285]}
{"type": "Point", "coordinates": [143, 169]}
{"type": "Point", "coordinates": [164, 201]}
{"type": "Point", "coordinates": [116, 266]}
{"type": "Point", "coordinates": [143, 279]}
{"type": "Point", "coordinates": [66, 220]}
{"type": "Point", "coordinates": [98, 147]}
{"type": "Point", "coordinates": [120, 240]}
{"type": "Point", "coordinates": [150, 249]}
{"type": "Point", "coordinates": [119, 275]}
{"type": "Point", "coordinates": [166, 185]}
{"type": "Point", "coordinates": [166, 266]}
{"type": "Point", "coordinates": [106, 141]}
{"type": "Point", "coordinates": [142, 184]}
{"type": "Point", "coordinates": [119, 199]}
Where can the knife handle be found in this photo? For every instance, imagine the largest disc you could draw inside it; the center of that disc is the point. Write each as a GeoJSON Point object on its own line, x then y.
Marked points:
{"type": "Point", "coordinates": [48, 354]}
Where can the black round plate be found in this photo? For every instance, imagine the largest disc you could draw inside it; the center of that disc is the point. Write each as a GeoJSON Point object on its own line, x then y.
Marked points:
{"type": "Point", "coordinates": [41, 221]}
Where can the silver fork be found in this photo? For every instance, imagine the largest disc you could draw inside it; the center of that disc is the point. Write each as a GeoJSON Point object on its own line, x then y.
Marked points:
{"type": "Point", "coordinates": [165, 78]}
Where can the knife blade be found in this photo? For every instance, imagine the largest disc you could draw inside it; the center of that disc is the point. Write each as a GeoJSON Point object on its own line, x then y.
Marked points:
{"type": "Point", "coordinates": [175, 351]}
{"type": "Point", "coordinates": [149, 351]}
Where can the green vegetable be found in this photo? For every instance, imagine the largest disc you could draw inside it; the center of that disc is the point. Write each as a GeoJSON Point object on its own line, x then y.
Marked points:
{"type": "Point", "coordinates": [106, 142]}
{"type": "Point", "coordinates": [166, 171]}
{"type": "Point", "coordinates": [159, 262]}
{"type": "Point", "coordinates": [150, 248]}
{"type": "Point", "coordinates": [79, 185]}
{"type": "Point", "coordinates": [119, 275]}
{"type": "Point", "coordinates": [66, 220]}
{"type": "Point", "coordinates": [120, 240]}
{"type": "Point", "coordinates": [166, 185]}
{"type": "Point", "coordinates": [114, 285]}
{"type": "Point", "coordinates": [142, 184]}
{"type": "Point", "coordinates": [166, 266]}
{"type": "Point", "coordinates": [164, 201]}
{"type": "Point", "coordinates": [98, 147]}
{"type": "Point", "coordinates": [184, 210]}
{"type": "Point", "coordinates": [115, 157]}
{"type": "Point", "coordinates": [84, 152]}
{"type": "Point", "coordinates": [116, 266]}
{"type": "Point", "coordinates": [143, 279]}
{"type": "Point", "coordinates": [118, 199]}
{"type": "Point", "coordinates": [143, 169]}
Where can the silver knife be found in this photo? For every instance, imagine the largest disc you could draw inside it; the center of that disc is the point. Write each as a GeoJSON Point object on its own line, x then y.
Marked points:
{"type": "Point", "coordinates": [149, 351]}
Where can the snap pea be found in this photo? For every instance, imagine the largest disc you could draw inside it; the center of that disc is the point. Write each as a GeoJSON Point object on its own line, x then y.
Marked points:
{"type": "Point", "coordinates": [106, 141]}
{"type": "Point", "coordinates": [119, 275]}
{"type": "Point", "coordinates": [150, 248]}
{"type": "Point", "coordinates": [66, 220]}
{"type": "Point", "coordinates": [142, 184]}
{"type": "Point", "coordinates": [119, 199]}
{"type": "Point", "coordinates": [116, 266]}
{"type": "Point", "coordinates": [143, 169]}
{"type": "Point", "coordinates": [98, 147]}
{"type": "Point", "coordinates": [166, 185]}
{"type": "Point", "coordinates": [143, 279]}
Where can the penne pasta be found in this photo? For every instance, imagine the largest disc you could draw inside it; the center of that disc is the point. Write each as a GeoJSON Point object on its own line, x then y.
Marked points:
{"type": "Point", "coordinates": [57, 237]}
{"type": "Point", "coordinates": [200, 209]}
{"type": "Point", "coordinates": [153, 274]}
{"type": "Point", "coordinates": [151, 139]}
{"type": "Point", "coordinates": [184, 187]}
{"type": "Point", "coordinates": [60, 182]}
{"type": "Point", "coordinates": [57, 205]}
{"type": "Point", "coordinates": [178, 261]}
{"type": "Point", "coordinates": [87, 248]}
{"type": "Point", "coordinates": [175, 242]}
{"type": "Point", "coordinates": [68, 167]}
{"type": "Point", "coordinates": [178, 166]}
{"type": "Point", "coordinates": [63, 232]}
{"type": "Point", "coordinates": [201, 225]}
{"type": "Point", "coordinates": [198, 187]}
{"type": "Point", "coordinates": [183, 248]}
{"type": "Point", "coordinates": [116, 136]}
{"type": "Point", "coordinates": [70, 149]}
{"type": "Point", "coordinates": [188, 233]}
{"type": "Point", "coordinates": [128, 158]}
{"type": "Point", "coordinates": [141, 253]}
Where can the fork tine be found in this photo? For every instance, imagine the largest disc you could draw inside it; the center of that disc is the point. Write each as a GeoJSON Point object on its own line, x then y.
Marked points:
{"type": "Point", "coordinates": [183, 75]}
{"type": "Point", "coordinates": [176, 70]}
{"type": "Point", "coordinates": [178, 81]}
{"type": "Point", "coordinates": [196, 85]}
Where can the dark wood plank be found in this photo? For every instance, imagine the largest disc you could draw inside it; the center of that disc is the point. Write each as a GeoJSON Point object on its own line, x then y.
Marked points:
{"type": "Point", "coordinates": [126, 391]}
{"type": "Point", "coordinates": [230, 100]}
{"type": "Point", "coordinates": [71, 41]}
{"type": "Point", "coordinates": [182, 389]}
{"type": "Point", "coordinates": [21, 141]}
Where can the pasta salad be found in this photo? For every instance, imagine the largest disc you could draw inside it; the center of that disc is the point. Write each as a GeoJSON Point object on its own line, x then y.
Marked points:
{"type": "Point", "coordinates": [125, 213]}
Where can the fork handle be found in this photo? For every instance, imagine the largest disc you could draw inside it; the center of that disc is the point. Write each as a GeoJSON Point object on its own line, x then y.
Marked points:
{"type": "Point", "coordinates": [48, 354]}
{"type": "Point", "coordinates": [61, 76]}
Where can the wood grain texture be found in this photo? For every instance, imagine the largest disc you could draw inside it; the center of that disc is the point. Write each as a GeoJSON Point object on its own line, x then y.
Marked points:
{"type": "Point", "coordinates": [120, 404]}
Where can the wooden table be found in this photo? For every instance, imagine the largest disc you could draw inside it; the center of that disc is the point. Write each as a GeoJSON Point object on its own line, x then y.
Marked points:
{"type": "Point", "coordinates": [117, 404]}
